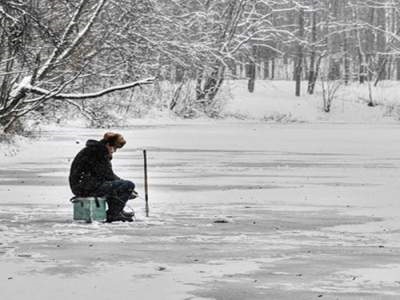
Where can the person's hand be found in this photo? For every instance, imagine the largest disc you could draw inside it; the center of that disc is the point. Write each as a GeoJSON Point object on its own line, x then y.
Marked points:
{"type": "Point", "coordinates": [133, 195]}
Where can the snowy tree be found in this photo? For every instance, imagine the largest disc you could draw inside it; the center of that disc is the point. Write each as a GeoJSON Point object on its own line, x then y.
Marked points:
{"type": "Point", "coordinates": [46, 47]}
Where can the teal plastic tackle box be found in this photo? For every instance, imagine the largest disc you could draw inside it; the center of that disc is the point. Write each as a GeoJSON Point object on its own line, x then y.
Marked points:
{"type": "Point", "coordinates": [89, 209]}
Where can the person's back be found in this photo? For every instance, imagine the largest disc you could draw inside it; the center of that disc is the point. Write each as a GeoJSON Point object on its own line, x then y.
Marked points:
{"type": "Point", "coordinates": [90, 169]}
{"type": "Point", "coordinates": [91, 174]}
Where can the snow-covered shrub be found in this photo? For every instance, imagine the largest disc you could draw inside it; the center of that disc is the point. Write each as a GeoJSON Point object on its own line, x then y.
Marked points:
{"type": "Point", "coordinates": [393, 110]}
{"type": "Point", "coordinates": [284, 118]}
{"type": "Point", "coordinates": [10, 144]}
{"type": "Point", "coordinates": [164, 96]}
{"type": "Point", "coordinates": [181, 99]}
{"type": "Point", "coordinates": [329, 92]}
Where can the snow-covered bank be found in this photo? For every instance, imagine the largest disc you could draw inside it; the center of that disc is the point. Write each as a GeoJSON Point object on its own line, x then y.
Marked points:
{"type": "Point", "coordinates": [274, 102]}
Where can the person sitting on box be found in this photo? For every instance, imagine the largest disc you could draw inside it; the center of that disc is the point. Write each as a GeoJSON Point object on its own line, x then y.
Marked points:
{"type": "Point", "coordinates": [91, 175]}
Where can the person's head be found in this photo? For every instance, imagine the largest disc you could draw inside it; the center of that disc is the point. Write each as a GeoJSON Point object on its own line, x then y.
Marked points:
{"type": "Point", "coordinates": [113, 141]}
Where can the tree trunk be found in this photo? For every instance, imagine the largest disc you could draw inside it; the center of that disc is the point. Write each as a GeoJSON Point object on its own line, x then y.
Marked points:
{"type": "Point", "coordinates": [299, 60]}
{"type": "Point", "coordinates": [179, 73]}
{"type": "Point", "coordinates": [335, 42]}
{"type": "Point", "coordinates": [346, 39]}
{"type": "Point", "coordinates": [273, 68]}
{"type": "Point", "coordinates": [398, 68]}
{"type": "Point", "coordinates": [199, 89]}
{"type": "Point", "coordinates": [266, 69]}
{"type": "Point", "coordinates": [252, 71]}
{"type": "Point", "coordinates": [207, 90]}
{"type": "Point", "coordinates": [346, 60]}
{"type": "Point", "coordinates": [311, 75]}
{"type": "Point", "coordinates": [362, 69]}
{"type": "Point", "coordinates": [252, 77]}
{"type": "Point", "coordinates": [382, 70]}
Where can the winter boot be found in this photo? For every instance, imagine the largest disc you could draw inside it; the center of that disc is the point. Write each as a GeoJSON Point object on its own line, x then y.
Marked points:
{"type": "Point", "coordinates": [118, 217]}
{"type": "Point", "coordinates": [128, 213]}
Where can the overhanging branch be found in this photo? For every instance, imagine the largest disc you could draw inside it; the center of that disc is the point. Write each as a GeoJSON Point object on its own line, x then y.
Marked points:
{"type": "Point", "coordinates": [41, 91]}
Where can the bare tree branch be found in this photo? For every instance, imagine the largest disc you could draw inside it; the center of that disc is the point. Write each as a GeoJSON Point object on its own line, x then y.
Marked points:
{"type": "Point", "coordinates": [62, 50]}
{"type": "Point", "coordinates": [41, 91]}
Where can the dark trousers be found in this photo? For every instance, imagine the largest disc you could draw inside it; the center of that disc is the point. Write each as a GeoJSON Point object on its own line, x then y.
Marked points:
{"type": "Point", "coordinates": [117, 193]}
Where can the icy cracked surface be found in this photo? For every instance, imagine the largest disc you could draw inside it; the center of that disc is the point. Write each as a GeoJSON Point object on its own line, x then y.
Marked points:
{"type": "Point", "coordinates": [238, 211]}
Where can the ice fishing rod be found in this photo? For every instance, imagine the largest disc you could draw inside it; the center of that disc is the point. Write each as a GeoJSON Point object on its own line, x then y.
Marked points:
{"type": "Point", "coordinates": [146, 188]}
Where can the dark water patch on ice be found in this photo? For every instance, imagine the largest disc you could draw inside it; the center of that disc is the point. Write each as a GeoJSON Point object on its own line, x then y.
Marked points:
{"type": "Point", "coordinates": [48, 220]}
{"type": "Point", "coordinates": [39, 169]}
{"type": "Point", "coordinates": [325, 165]}
{"type": "Point", "coordinates": [40, 176]}
{"type": "Point", "coordinates": [28, 206]}
{"type": "Point", "coordinates": [36, 181]}
{"type": "Point", "coordinates": [39, 164]}
{"type": "Point", "coordinates": [193, 150]}
{"type": "Point", "coordinates": [243, 151]}
{"type": "Point", "coordinates": [65, 270]}
{"type": "Point", "coordinates": [316, 154]}
{"type": "Point", "coordinates": [347, 184]}
{"type": "Point", "coordinates": [206, 187]}
{"type": "Point", "coordinates": [153, 164]}
{"type": "Point", "coordinates": [240, 175]}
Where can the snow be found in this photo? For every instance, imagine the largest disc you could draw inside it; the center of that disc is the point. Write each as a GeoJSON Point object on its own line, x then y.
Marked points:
{"type": "Point", "coordinates": [297, 205]}
{"type": "Point", "coordinates": [273, 101]}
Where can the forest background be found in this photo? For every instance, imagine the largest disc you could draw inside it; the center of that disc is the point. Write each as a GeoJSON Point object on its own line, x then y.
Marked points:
{"type": "Point", "coordinates": [112, 60]}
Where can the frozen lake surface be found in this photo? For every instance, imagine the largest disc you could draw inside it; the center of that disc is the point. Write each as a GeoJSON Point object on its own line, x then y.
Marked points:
{"type": "Point", "coordinates": [239, 210]}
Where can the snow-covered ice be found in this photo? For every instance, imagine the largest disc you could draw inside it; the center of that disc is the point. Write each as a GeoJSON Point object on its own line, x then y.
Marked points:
{"type": "Point", "coordinates": [239, 210]}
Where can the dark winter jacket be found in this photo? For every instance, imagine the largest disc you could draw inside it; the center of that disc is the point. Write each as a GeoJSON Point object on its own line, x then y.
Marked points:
{"type": "Point", "coordinates": [91, 168]}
